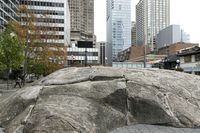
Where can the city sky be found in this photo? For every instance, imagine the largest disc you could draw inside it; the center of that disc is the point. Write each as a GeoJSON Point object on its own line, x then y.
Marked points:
{"type": "Point", "coordinates": [183, 12]}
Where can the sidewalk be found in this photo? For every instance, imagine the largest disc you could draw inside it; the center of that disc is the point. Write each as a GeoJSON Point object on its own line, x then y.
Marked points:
{"type": "Point", "coordinates": [4, 89]}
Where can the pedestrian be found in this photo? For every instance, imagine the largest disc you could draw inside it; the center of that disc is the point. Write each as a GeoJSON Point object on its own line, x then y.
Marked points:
{"type": "Point", "coordinates": [22, 80]}
{"type": "Point", "coordinates": [17, 82]}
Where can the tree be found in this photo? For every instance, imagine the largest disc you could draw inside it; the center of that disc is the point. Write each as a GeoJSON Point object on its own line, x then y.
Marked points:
{"type": "Point", "coordinates": [26, 31]}
{"type": "Point", "coordinates": [48, 54]}
{"type": "Point", "coordinates": [40, 48]}
{"type": "Point", "coordinates": [11, 51]}
{"type": "Point", "coordinates": [2, 67]}
{"type": "Point", "coordinates": [49, 59]}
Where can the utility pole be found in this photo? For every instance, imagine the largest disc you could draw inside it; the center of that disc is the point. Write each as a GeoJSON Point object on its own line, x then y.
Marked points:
{"type": "Point", "coordinates": [85, 57]}
{"type": "Point", "coordinates": [145, 52]}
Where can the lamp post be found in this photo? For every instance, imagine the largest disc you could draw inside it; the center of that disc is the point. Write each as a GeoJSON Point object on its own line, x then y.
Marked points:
{"type": "Point", "coordinates": [85, 57]}
{"type": "Point", "coordinates": [145, 52]}
{"type": "Point", "coordinates": [145, 56]}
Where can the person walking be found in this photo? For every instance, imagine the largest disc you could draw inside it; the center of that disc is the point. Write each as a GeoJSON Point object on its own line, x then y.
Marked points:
{"type": "Point", "coordinates": [17, 82]}
{"type": "Point", "coordinates": [22, 80]}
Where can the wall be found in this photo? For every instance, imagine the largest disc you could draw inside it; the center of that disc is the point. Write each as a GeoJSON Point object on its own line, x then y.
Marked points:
{"type": "Point", "coordinates": [138, 51]}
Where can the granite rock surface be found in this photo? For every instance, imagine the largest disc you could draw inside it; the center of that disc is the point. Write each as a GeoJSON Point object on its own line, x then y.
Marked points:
{"type": "Point", "coordinates": [101, 99]}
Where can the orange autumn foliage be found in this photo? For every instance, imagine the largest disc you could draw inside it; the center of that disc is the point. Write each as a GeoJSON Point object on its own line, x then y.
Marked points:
{"type": "Point", "coordinates": [38, 47]}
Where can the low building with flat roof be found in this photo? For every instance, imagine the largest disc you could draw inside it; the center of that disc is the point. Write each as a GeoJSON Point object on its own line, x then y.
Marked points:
{"type": "Point", "coordinates": [82, 56]}
{"type": "Point", "coordinates": [190, 60]}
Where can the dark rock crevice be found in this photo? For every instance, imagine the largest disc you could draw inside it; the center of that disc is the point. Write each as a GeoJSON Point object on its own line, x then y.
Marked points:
{"type": "Point", "coordinates": [148, 112]}
{"type": "Point", "coordinates": [81, 80]}
{"type": "Point", "coordinates": [138, 110]}
{"type": "Point", "coordinates": [117, 100]}
{"type": "Point", "coordinates": [104, 78]}
{"type": "Point", "coordinates": [107, 118]}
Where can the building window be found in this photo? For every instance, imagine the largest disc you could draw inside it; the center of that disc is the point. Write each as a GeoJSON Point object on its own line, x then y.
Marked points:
{"type": "Point", "coordinates": [197, 57]}
{"type": "Point", "coordinates": [187, 59]}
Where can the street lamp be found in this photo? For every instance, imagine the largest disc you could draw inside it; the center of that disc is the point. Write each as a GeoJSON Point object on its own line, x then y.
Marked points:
{"type": "Point", "coordinates": [145, 52]}
{"type": "Point", "coordinates": [86, 57]}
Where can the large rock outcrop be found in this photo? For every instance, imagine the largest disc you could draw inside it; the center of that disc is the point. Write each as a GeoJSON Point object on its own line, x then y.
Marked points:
{"type": "Point", "coordinates": [101, 99]}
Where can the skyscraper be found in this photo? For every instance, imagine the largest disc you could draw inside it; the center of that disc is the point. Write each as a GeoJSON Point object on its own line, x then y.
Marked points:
{"type": "Point", "coordinates": [118, 25]}
{"type": "Point", "coordinates": [82, 20]}
{"type": "Point", "coordinates": [8, 10]}
{"type": "Point", "coordinates": [151, 17]}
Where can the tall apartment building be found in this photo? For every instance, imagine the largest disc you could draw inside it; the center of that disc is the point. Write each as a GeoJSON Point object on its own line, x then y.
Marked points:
{"type": "Point", "coordinates": [118, 25]}
{"type": "Point", "coordinates": [151, 17]}
{"type": "Point", "coordinates": [82, 20]}
{"type": "Point", "coordinates": [52, 15]}
{"type": "Point", "coordinates": [8, 10]}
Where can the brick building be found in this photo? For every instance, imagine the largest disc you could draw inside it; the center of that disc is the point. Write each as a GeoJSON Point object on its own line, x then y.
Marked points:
{"type": "Point", "coordinates": [137, 51]}
{"type": "Point", "coordinates": [132, 52]}
{"type": "Point", "coordinates": [172, 49]}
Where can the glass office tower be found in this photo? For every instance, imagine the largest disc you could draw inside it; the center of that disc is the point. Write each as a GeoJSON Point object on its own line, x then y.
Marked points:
{"type": "Point", "coordinates": [118, 25]}
{"type": "Point", "coordinates": [8, 9]}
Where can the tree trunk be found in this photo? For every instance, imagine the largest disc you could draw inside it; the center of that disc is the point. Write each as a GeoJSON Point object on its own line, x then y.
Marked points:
{"type": "Point", "coordinates": [8, 74]}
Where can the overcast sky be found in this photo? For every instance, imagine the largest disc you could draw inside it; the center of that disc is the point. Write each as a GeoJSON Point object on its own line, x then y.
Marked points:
{"type": "Point", "coordinates": [183, 12]}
